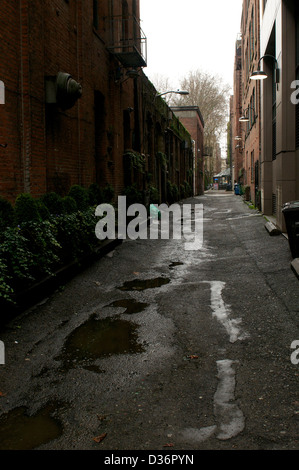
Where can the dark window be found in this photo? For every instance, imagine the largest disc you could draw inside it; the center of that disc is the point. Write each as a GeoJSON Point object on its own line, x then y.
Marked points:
{"type": "Point", "coordinates": [273, 114]}
{"type": "Point", "coordinates": [297, 72]}
{"type": "Point", "coordinates": [95, 14]}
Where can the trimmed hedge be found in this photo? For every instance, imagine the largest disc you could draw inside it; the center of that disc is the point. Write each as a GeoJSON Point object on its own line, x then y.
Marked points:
{"type": "Point", "coordinates": [38, 237]}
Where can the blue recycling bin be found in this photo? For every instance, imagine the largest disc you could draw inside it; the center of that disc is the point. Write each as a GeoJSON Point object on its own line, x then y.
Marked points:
{"type": "Point", "coordinates": [237, 189]}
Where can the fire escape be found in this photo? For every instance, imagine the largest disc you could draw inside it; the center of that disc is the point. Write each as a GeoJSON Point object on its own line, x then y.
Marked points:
{"type": "Point", "coordinates": [127, 41]}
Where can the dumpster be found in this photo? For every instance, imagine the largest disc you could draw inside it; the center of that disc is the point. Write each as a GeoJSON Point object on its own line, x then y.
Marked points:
{"type": "Point", "coordinates": [291, 216]}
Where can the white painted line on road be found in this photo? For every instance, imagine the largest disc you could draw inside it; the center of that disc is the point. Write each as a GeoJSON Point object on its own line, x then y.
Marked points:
{"type": "Point", "coordinates": [225, 211]}
{"type": "Point", "coordinates": [222, 312]}
{"type": "Point", "coordinates": [230, 419]}
{"type": "Point", "coordinates": [243, 216]}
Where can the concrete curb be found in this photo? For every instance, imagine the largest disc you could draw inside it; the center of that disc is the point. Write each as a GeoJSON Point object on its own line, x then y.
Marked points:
{"type": "Point", "coordinates": [272, 229]}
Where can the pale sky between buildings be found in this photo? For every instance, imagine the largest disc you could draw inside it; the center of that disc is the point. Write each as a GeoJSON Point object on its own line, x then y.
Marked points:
{"type": "Point", "coordinates": [185, 35]}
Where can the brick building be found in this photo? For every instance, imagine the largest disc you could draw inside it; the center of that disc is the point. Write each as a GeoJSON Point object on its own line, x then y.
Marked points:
{"type": "Point", "coordinates": [237, 131]}
{"type": "Point", "coordinates": [76, 99]}
{"type": "Point", "coordinates": [280, 123]}
{"type": "Point", "coordinates": [251, 116]}
{"type": "Point", "coordinates": [270, 140]}
{"type": "Point", "coordinates": [192, 119]}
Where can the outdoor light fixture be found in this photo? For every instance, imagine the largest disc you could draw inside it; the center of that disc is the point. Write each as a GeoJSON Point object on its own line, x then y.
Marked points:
{"type": "Point", "coordinates": [245, 117]}
{"type": "Point", "coordinates": [178, 92]}
{"type": "Point", "coordinates": [260, 74]}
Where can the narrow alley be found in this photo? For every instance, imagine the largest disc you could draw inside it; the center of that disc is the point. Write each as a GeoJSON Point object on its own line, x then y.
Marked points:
{"type": "Point", "coordinates": [154, 347]}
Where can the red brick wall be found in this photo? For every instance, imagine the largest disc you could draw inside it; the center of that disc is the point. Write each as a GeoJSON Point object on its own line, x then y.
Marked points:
{"type": "Point", "coordinates": [49, 148]}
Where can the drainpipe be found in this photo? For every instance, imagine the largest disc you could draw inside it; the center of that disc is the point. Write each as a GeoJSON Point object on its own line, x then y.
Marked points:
{"type": "Point", "coordinates": [194, 175]}
{"type": "Point", "coordinates": [25, 149]}
{"type": "Point", "coordinates": [79, 32]}
{"type": "Point", "coordinates": [2, 92]}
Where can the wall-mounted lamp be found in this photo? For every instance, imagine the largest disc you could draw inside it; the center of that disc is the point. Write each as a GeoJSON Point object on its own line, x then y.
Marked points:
{"type": "Point", "coordinates": [245, 117]}
{"type": "Point", "coordinates": [260, 74]}
{"type": "Point", "coordinates": [122, 75]}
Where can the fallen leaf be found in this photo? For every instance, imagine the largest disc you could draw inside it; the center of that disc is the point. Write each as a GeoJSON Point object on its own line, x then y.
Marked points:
{"type": "Point", "coordinates": [2, 394]}
{"type": "Point", "coordinates": [100, 438]}
{"type": "Point", "coordinates": [101, 418]}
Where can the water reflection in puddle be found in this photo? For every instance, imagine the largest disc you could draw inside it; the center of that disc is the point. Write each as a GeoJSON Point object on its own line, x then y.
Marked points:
{"type": "Point", "coordinates": [19, 431]}
{"type": "Point", "coordinates": [98, 338]}
{"type": "Point", "coordinates": [142, 284]}
{"type": "Point", "coordinates": [131, 305]}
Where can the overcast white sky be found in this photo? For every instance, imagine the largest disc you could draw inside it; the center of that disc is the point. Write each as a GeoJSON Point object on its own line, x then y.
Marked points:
{"type": "Point", "coordinates": [185, 35]}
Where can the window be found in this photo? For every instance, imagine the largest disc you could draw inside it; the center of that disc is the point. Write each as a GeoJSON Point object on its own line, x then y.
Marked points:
{"type": "Point", "coordinates": [251, 35]}
{"type": "Point", "coordinates": [273, 114]}
{"type": "Point", "coordinates": [95, 14]}
{"type": "Point", "coordinates": [252, 166]}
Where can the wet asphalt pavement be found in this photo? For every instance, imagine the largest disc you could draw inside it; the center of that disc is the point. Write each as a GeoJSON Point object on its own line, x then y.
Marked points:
{"type": "Point", "coordinates": [157, 348]}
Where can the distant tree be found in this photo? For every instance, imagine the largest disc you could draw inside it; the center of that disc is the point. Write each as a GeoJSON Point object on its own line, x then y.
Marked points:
{"type": "Point", "coordinates": [162, 84]}
{"type": "Point", "coordinates": [211, 95]}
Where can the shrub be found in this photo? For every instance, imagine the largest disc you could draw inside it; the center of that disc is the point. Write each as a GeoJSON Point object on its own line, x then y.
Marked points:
{"type": "Point", "coordinates": [154, 195]}
{"type": "Point", "coordinates": [133, 195]}
{"type": "Point", "coordinates": [53, 202]}
{"type": "Point", "coordinates": [80, 195]}
{"type": "Point", "coordinates": [108, 193]}
{"type": "Point", "coordinates": [75, 234]}
{"type": "Point", "coordinates": [182, 191]}
{"type": "Point", "coordinates": [6, 291]}
{"type": "Point", "coordinates": [26, 209]}
{"type": "Point", "coordinates": [69, 205]}
{"type": "Point", "coordinates": [44, 248]}
{"type": "Point", "coordinates": [17, 258]}
{"type": "Point", "coordinates": [95, 194]}
{"type": "Point", "coordinates": [6, 214]}
{"type": "Point", "coordinates": [37, 249]}
{"type": "Point", "coordinates": [43, 210]}
{"type": "Point", "coordinates": [188, 189]}
{"type": "Point", "coordinates": [172, 192]}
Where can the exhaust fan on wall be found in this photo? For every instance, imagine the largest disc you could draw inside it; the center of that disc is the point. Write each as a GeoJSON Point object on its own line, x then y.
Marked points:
{"type": "Point", "coordinates": [62, 90]}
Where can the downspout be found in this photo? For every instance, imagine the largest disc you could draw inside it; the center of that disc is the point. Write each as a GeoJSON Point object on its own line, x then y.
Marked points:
{"type": "Point", "coordinates": [194, 173]}
{"type": "Point", "coordinates": [25, 157]}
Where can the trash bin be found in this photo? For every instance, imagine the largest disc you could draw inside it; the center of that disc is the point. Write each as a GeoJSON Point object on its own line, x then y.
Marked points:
{"type": "Point", "coordinates": [291, 216]}
{"type": "Point", "coordinates": [237, 189]}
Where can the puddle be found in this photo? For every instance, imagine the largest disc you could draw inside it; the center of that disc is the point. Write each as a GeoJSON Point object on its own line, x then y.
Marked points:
{"type": "Point", "coordinates": [174, 264]}
{"type": "Point", "coordinates": [19, 431]}
{"type": "Point", "coordinates": [99, 338]}
{"type": "Point", "coordinates": [142, 284]}
{"type": "Point", "coordinates": [131, 305]}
